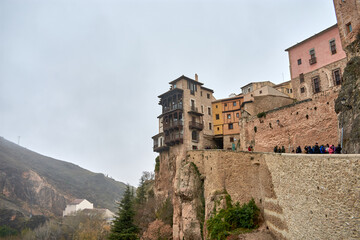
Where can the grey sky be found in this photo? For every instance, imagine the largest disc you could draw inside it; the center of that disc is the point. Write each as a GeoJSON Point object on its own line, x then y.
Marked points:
{"type": "Point", "coordinates": [79, 79]}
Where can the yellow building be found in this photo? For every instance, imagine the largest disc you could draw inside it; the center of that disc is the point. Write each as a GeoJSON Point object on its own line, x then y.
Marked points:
{"type": "Point", "coordinates": [226, 121]}
{"type": "Point", "coordinates": [217, 118]}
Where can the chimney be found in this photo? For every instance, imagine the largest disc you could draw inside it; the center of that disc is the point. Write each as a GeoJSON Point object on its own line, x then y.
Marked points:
{"type": "Point", "coordinates": [196, 77]}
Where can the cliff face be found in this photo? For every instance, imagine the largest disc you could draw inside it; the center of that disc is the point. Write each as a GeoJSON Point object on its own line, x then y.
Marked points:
{"type": "Point", "coordinates": [32, 193]}
{"type": "Point", "coordinates": [300, 196]}
{"type": "Point", "coordinates": [30, 182]}
{"type": "Point", "coordinates": [349, 113]}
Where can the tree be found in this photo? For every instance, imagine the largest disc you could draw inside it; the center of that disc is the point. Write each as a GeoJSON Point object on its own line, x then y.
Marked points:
{"type": "Point", "coordinates": [158, 230]}
{"type": "Point", "coordinates": [123, 227]}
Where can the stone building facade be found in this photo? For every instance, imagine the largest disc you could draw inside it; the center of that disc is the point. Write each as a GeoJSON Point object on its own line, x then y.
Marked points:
{"type": "Point", "coordinates": [186, 117]}
{"type": "Point", "coordinates": [317, 63]}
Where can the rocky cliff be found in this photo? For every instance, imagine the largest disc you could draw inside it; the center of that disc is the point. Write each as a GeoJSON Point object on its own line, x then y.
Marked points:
{"type": "Point", "coordinates": [300, 196]}
{"type": "Point", "coordinates": [30, 182]}
{"type": "Point", "coordinates": [349, 112]}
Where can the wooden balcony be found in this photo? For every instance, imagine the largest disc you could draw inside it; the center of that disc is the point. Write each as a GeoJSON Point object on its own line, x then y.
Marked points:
{"type": "Point", "coordinates": [312, 60]}
{"type": "Point", "coordinates": [173, 138]}
{"type": "Point", "coordinates": [159, 149]}
{"type": "Point", "coordinates": [196, 125]}
{"type": "Point", "coordinates": [178, 106]}
{"type": "Point", "coordinates": [194, 110]}
{"type": "Point", "coordinates": [178, 124]}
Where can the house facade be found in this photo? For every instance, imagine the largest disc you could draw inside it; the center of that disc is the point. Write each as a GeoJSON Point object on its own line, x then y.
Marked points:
{"type": "Point", "coordinates": [77, 205]}
{"type": "Point", "coordinates": [317, 63]}
{"type": "Point", "coordinates": [226, 121]}
{"type": "Point", "coordinates": [186, 117]}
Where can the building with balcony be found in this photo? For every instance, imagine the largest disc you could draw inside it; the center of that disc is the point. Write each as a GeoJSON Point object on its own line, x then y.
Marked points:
{"type": "Point", "coordinates": [316, 63]}
{"type": "Point", "coordinates": [186, 118]}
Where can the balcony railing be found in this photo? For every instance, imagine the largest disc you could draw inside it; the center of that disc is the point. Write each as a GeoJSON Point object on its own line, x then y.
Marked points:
{"type": "Point", "coordinates": [173, 138]}
{"type": "Point", "coordinates": [196, 125]}
{"type": "Point", "coordinates": [312, 60]}
{"type": "Point", "coordinates": [173, 124]}
{"type": "Point", "coordinates": [158, 148]}
{"type": "Point", "coordinates": [173, 107]}
{"type": "Point", "coordinates": [194, 110]}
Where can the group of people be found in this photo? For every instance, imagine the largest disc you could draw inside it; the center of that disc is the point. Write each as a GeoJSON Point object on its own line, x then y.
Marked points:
{"type": "Point", "coordinates": [323, 149]}
{"type": "Point", "coordinates": [316, 149]}
{"type": "Point", "coordinates": [279, 150]}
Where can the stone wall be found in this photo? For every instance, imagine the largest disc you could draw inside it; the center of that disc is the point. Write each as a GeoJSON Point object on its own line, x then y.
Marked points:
{"type": "Point", "coordinates": [299, 124]}
{"type": "Point", "coordinates": [266, 103]}
{"type": "Point", "coordinates": [300, 196]}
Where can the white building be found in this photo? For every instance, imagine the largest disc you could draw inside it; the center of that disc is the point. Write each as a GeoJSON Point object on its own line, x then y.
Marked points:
{"type": "Point", "coordinates": [77, 205]}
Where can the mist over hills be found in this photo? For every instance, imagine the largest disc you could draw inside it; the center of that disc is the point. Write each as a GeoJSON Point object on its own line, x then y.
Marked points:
{"type": "Point", "coordinates": [31, 182]}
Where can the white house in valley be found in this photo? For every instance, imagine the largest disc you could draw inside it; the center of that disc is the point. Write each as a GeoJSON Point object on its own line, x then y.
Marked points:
{"type": "Point", "coordinates": [77, 205]}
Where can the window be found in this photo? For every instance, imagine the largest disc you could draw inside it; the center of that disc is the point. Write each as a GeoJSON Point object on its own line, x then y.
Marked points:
{"type": "Point", "coordinates": [217, 116]}
{"type": "Point", "coordinates": [332, 46]}
{"type": "Point", "coordinates": [208, 95]}
{"type": "Point", "coordinates": [301, 76]}
{"type": "Point", "coordinates": [348, 28]}
{"type": "Point", "coordinates": [260, 92]}
{"type": "Point", "coordinates": [316, 83]}
{"type": "Point", "coordinates": [337, 77]}
{"type": "Point", "coordinates": [231, 126]}
{"type": "Point", "coordinates": [218, 128]}
{"type": "Point", "coordinates": [234, 104]}
{"type": "Point", "coordinates": [290, 90]}
{"type": "Point", "coordinates": [299, 61]}
{"type": "Point", "coordinates": [193, 87]}
{"type": "Point", "coordinates": [302, 90]}
{"type": "Point", "coordinates": [216, 106]}
{"type": "Point", "coordinates": [209, 111]}
{"type": "Point", "coordinates": [225, 104]}
{"type": "Point", "coordinates": [194, 147]}
{"type": "Point", "coordinates": [312, 59]}
{"type": "Point", "coordinates": [237, 115]}
{"type": "Point", "coordinates": [194, 135]}
{"type": "Point", "coordinates": [229, 116]}
{"type": "Point", "coordinates": [231, 139]}
{"type": "Point", "coordinates": [209, 126]}
{"type": "Point", "coordinates": [200, 93]}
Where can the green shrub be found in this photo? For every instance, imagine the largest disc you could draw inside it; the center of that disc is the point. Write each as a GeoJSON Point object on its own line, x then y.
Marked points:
{"type": "Point", "coordinates": [233, 219]}
{"type": "Point", "coordinates": [262, 114]}
{"type": "Point", "coordinates": [6, 231]}
{"type": "Point", "coordinates": [157, 164]}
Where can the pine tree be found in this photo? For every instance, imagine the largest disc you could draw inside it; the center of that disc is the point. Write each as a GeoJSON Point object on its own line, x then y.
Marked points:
{"type": "Point", "coordinates": [123, 227]}
{"type": "Point", "coordinates": [141, 192]}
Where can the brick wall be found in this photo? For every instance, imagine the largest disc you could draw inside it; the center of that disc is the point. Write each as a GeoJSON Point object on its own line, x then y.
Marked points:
{"type": "Point", "coordinates": [299, 124]}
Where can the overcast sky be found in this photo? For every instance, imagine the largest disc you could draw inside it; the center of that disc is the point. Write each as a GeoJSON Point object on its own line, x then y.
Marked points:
{"type": "Point", "coordinates": [79, 79]}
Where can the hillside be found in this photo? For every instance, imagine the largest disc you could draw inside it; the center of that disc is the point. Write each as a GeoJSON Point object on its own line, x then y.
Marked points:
{"type": "Point", "coordinates": [30, 181]}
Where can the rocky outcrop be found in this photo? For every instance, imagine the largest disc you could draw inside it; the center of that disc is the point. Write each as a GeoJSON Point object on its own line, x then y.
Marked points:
{"type": "Point", "coordinates": [33, 192]}
{"type": "Point", "coordinates": [33, 183]}
{"type": "Point", "coordinates": [349, 113]}
{"type": "Point", "coordinates": [188, 203]}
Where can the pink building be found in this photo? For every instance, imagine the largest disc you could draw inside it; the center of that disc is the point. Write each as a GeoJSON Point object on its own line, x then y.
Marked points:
{"type": "Point", "coordinates": [317, 63]}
